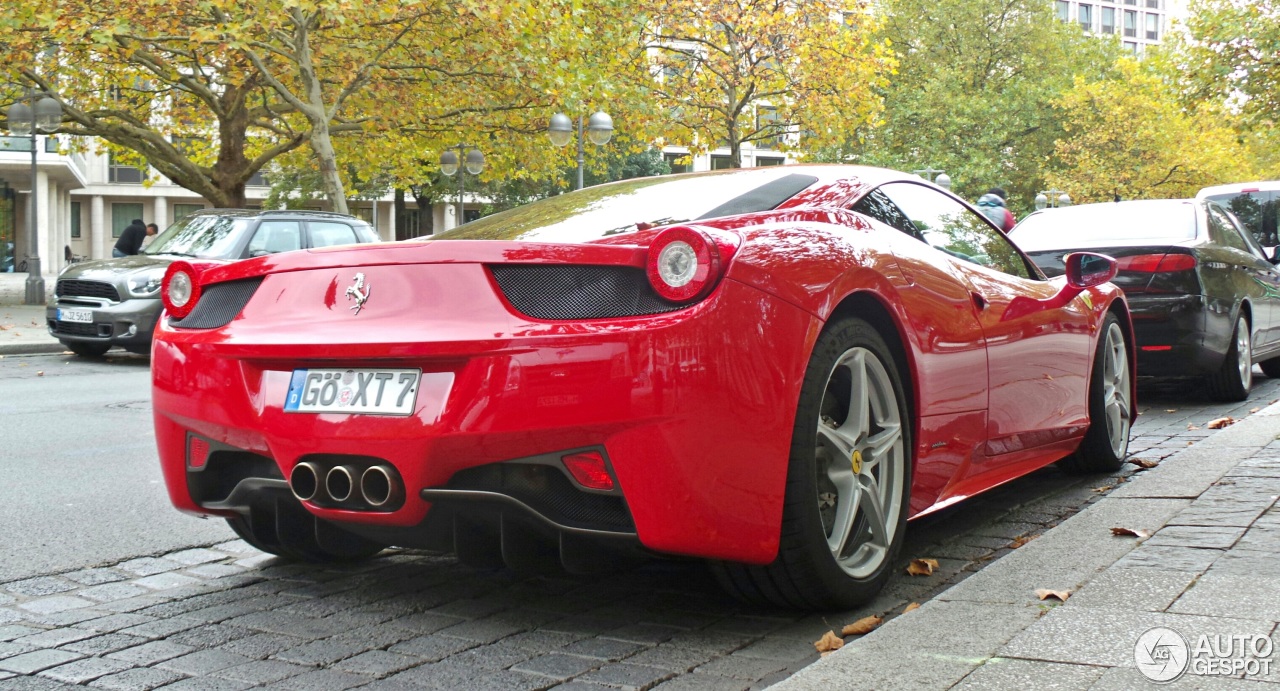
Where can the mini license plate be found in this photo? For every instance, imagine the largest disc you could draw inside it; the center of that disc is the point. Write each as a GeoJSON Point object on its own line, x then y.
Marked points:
{"type": "Point", "coordinates": [363, 391]}
{"type": "Point", "coordinates": [77, 316]}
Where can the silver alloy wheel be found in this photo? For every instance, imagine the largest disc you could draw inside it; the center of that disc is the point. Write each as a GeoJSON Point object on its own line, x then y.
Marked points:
{"type": "Point", "coordinates": [860, 462]}
{"type": "Point", "coordinates": [1116, 390]}
{"type": "Point", "coordinates": [1244, 353]}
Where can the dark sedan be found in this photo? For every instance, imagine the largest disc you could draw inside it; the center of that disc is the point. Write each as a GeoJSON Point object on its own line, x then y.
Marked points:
{"type": "Point", "coordinates": [1205, 296]}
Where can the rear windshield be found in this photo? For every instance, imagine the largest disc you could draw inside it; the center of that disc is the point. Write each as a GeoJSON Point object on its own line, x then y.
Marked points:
{"type": "Point", "coordinates": [206, 236]}
{"type": "Point", "coordinates": [1114, 224]}
{"type": "Point", "coordinates": [597, 212]}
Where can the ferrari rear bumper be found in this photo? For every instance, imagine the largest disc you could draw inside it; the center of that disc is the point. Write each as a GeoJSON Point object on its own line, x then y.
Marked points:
{"type": "Point", "coordinates": [692, 409]}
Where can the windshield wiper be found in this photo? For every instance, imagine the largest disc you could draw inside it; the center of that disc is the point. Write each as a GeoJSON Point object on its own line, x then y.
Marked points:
{"type": "Point", "coordinates": [176, 254]}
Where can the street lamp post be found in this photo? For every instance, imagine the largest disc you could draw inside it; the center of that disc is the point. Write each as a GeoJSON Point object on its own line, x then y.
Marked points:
{"type": "Point", "coordinates": [1052, 198]}
{"type": "Point", "coordinates": [473, 162]}
{"type": "Point", "coordinates": [599, 131]}
{"type": "Point", "coordinates": [44, 115]}
{"type": "Point", "coordinates": [943, 180]}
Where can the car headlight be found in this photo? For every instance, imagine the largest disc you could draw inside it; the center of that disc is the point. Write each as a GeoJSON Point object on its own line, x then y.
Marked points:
{"type": "Point", "coordinates": [145, 285]}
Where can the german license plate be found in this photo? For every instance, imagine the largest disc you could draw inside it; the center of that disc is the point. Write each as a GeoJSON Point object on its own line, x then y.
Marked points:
{"type": "Point", "coordinates": [77, 316]}
{"type": "Point", "coordinates": [363, 391]}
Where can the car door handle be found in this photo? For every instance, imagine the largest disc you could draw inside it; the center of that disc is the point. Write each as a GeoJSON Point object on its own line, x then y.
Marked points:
{"type": "Point", "coordinates": [978, 301]}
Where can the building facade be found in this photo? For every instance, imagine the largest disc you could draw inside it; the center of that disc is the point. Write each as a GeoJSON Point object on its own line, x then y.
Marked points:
{"type": "Point", "coordinates": [1137, 23]}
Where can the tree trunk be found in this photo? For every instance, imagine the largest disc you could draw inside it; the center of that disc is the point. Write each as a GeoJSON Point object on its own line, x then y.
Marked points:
{"type": "Point", "coordinates": [318, 115]}
{"type": "Point", "coordinates": [400, 232]}
{"type": "Point", "coordinates": [426, 212]}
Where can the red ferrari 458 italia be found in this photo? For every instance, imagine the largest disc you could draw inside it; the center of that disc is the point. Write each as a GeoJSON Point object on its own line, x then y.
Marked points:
{"type": "Point", "coordinates": [771, 369]}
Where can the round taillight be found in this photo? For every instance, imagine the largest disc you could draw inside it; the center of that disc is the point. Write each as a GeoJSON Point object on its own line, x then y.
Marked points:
{"type": "Point", "coordinates": [180, 289]}
{"type": "Point", "coordinates": [684, 264]}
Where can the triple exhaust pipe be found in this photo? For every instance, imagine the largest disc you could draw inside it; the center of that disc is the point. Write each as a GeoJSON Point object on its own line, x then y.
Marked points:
{"type": "Point", "coordinates": [377, 487]}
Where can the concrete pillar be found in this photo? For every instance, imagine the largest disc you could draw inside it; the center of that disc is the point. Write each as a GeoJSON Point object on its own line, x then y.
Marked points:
{"type": "Point", "coordinates": [98, 235]}
{"type": "Point", "coordinates": [48, 265]}
{"type": "Point", "coordinates": [391, 222]}
{"type": "Point", "coordinates": [160, 213]}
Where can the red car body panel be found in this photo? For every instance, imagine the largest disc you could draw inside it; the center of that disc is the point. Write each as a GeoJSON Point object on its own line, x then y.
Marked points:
{"type": "Point", "coordinates": [695, 407]}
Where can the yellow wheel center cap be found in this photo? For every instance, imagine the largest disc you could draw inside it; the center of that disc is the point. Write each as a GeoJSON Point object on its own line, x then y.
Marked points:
{"type": "Point", "coordinates": [857, 462]}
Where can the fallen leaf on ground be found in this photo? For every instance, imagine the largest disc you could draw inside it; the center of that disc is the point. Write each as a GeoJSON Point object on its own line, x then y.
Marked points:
{"type": "Point", "coordinates": [922, 567]}
{"type": "Point", "coordinates": [1130, 532]}
{"type": "Point", "coordinates": [3, 327]}
{"type": "Point", "coordinates": [67, 352]}
{"type": "Point", "coordinates": [1022, 541]}
{"type": "Point", "coordinates": [40, 373]}
{"type": "Point", "coordinates": [862, 626]}
{"type": "Point", "coordinates": [1103, 488]}
{"type": "Point", "coordinates": [1045, 594]}
{"type": "Point", "coordinates": [1190, 427]}
{"type": "Point", "coordinates": [908, 608]}
{"type": "Point", "coordinates": [1143, 462]}
{"type": "Point", "coordinates": [829, 642]}
{"type": "Point", "coordinates": [1221, 422]}
{"type": "Point", "coordinates": [1254, 410]}
{"type": "Point", "coordinates": [1170, 410]}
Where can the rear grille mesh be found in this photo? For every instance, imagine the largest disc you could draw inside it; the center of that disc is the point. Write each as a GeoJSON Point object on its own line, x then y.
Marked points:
{"type": "Point", "coordinates": [68, 287]}
{"type": "Point", "coordinates": [219, 304]}
{"type": "Point", "coordinates": [559, 292]}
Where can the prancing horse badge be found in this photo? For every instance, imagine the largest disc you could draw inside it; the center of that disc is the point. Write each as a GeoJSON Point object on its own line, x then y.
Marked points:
{"type": "Point", "coordinates": [358, 292]}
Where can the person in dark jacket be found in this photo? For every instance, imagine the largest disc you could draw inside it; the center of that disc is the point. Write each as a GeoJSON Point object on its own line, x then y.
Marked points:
{"type": "Point", "coordinates": [130, 239]}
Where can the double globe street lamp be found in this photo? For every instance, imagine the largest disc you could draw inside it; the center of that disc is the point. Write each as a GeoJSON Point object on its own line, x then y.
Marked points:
{"type": "Point", "coordinates": [473, 162]}
{"type": "Point", "coordinates": [44, 115]}
{"type": "Point", "coordinates": [599, 130]}
{"type": "Point", "coordinates": [1052, 198]}
{"type": "Point", "coordinates": [942, 180]}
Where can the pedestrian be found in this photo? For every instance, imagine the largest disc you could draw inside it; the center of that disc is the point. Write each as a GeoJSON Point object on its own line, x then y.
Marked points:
{"type": "Point", "coordinates": [992, 205]}
{"type": "Point", "coordinates": [130, 239]}
{"type": "Point", "coordinates": [152, 231]}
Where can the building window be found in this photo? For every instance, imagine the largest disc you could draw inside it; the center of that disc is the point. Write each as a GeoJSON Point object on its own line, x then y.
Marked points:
{"type": "Point", "coordinates": [364, 213]}
{"type": "Point", "coordinates": [1130, 24]}
{"type": "Point", "coordinates": [1085, 15]}
{"type": "Point", "coordinates": [119, 172]}
{"type": "Point", "coordinates": [671, 159]}
{"type": "Point", "coordinates": [721, 161]}
{"type": "Point", "coordinates": [767, 119]}
{"type": "Point", "coordinates": [763, 161]}
{"type": "Point", "coordinates": [1153, 26]}
{"type": "Point", "coordinates": [1108, 20]}
{"type": "Point", "coordinates": [1153, 4]}
{"type": "Point", "coordinates": [1131, 2]}
{"type": "Point", "coordinates": [1064, 10]}
{"type": "Point", "coordinates": [75, 220]}
{"type": "Point", "coordinates": [1131, 47]}
{"type": "Point", "coordinates": [122, 214]}
{"type": "Point", "coordinates": [256, 180]}
{"type": "Point", "coordinates": [181, 211]}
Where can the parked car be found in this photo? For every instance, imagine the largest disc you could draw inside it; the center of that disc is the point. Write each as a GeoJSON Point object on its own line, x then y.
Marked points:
{"type": "Point", "coordinates": [1256, 205]}
{"type": "Point", "coordinates": [1205, 297]}
{"type": "Point", "coordinates": [115, 302]}
{"type": "Point", "coordinates": [678, 365]}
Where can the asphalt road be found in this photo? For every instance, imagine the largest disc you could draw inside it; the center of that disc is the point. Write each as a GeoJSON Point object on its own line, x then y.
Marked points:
{"type": "Point", "coordinates": [82, 488]}
{"type": "Point", "coordinates": [81, 481]}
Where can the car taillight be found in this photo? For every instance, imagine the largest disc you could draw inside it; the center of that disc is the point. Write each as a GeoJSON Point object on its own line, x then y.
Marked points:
{"type": "Point", "coordinates": [1157, 263]}
{"type": "Point", "coordinates": [685, 264]}
{"type": "Point", "coordinates": [589, 469]}
{"type": "Point", "coordinates": [180, 289]}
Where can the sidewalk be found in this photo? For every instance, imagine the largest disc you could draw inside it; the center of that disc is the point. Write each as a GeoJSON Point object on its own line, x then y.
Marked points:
{"type": "Point", "coordinates": [22, 327]}
{"type": "Point", "coordinates": [1208, 572]}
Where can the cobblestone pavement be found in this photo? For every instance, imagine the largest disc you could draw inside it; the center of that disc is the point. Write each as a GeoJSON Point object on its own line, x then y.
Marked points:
{"type": "Point", "coordinates": [227, 617]}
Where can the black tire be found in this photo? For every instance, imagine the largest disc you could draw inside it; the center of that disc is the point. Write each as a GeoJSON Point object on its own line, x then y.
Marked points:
{"type": "Point", "coordinates": [1271, 367]}
{"type": "Point", "coordinates": [94, 350]}
{"type": "Point", "coordinates": [1233, 380]}
{"type": "Point", "coordinates": [1106, 442]}
{"type": "Point", "coordinates": [285, 529]}
{"type": "Point", "coordinates": [806, 573]}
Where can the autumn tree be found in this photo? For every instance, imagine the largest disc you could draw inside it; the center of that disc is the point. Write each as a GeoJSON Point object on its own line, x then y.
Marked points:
{"type": "Point", "coordinates": [1128, 137]}
{"type": "Point", "coordinates": [1230, 52]}
{"type": "Point", "coordinates": [973, 90]}
{"type": "Point", "coordinates": [729, 72]}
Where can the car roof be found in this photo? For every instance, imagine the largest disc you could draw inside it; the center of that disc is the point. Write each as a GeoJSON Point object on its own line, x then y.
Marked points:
{"type": "Point", "coordinates": [1239, 187]}
{"type": "Point", "coordinates": [277, 213]}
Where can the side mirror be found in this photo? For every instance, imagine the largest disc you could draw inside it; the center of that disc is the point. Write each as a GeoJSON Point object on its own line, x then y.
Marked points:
{"type": "Point", "coordinates": [1087, 269]}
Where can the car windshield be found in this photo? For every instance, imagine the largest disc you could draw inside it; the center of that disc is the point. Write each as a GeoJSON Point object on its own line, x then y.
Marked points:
{"type": "Point", "coordinates": [1111, 224]}
{"type": "Point", "coordinates": [604, 210]}
{"type": "Point", "coordinates": [207, 236]}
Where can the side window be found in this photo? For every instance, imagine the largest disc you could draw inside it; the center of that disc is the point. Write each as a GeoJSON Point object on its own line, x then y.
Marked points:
{"type": "Point", "coordinates": [1225, 231]}
{"type": "Point", "coordinates": [275, 236]}
{"type": "Point", "coordinates": [951, 227]}
{"type": "Point", "coordinates": [328, 233]}
{"type": "Point", "coordinates": [878, 206]}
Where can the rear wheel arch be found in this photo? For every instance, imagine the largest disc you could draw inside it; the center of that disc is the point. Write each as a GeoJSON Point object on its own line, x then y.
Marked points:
{"type": "Point", "coordinates": [869, 307]}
